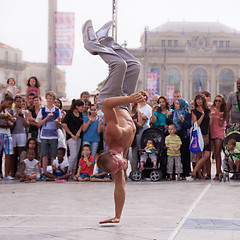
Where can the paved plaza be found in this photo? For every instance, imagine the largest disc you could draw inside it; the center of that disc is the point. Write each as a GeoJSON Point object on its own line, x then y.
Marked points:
{"type": "Point", "coordinates": [160, 210]}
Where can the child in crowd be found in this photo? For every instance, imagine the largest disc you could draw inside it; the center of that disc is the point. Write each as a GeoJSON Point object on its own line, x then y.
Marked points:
{"type": "Point", "coordinates": [100, 177]}
{"type": "Point", "coordinates": [86, 165]}
{"type": "Point", "coordinates": [232, 155]}
{"type": "Point", "coordinates": [173, 144]}
{"type": "Point", "coordinates": [59, 167]}
{"type": "Point", "coordinates": [33, 144]}
{"type": "Point", "coordinates": [48, 119]}
{"type": "Point", "coordinates": [151, 153]}
{"type": "Point", "coordinates": [19, 135]}
{"type": "Point", "coordinates": [33, 86]}
{"type": "Point", "coordinates": [31, 171]}
{"type": "Point", "coordinates": [9, 89]}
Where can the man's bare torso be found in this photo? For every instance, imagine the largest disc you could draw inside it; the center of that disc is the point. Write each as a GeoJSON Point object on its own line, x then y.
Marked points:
{"type": "Point", "coordinates": [127, 129]}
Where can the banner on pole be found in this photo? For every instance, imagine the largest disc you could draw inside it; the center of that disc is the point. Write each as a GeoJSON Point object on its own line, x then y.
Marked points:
{"type": "Point", "coordinates": [153, 78]}
{"type": "Point", "coordinates": [64, 38]}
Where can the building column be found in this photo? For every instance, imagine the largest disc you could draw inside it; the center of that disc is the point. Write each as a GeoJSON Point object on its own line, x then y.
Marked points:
{"type": "Point", "coordinates": [184, 83]}
{"type": "Point", "coordinates": [214, 82]}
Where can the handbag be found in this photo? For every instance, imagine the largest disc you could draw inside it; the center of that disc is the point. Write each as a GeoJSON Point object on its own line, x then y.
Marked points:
{"type": "Point", "coordinates": [196, 144]}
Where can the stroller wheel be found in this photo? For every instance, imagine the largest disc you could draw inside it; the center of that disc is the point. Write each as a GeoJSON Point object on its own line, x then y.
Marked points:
{"type": "Point", "coordinates": [227, 176]}
{"type": "Point", "coordinates": [220, 177]}
{"type": "Point", "coordinates": [224, 177]}
{"type": "Point", "coordinates": [135, 175]}
{"type": "Point", "coordinates": [156, 175]}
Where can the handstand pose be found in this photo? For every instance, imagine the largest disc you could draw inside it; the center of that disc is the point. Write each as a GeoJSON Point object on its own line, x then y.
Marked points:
{"type": "Point", "coordinates": [114, 98]}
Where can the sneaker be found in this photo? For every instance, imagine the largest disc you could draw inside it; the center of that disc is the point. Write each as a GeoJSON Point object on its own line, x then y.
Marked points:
{"type": "Point", "coordinates": [44, 178]}
{"type": "Point", "coordinates": [88, 32]}
{"type": "Point", "coordinates": [104, 30]}
{"type": "Point", "coordinates": [8, 178]}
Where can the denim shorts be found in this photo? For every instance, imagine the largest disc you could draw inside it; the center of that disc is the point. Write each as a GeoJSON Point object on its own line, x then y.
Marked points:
{"type": "Point", "coordinates": [48, 147]}
{"type": "Point", "coordinates": [84, 175]}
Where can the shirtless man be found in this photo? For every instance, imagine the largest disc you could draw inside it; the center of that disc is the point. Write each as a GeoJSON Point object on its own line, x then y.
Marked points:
{"type": "Point", "coordinates": [114, 99]}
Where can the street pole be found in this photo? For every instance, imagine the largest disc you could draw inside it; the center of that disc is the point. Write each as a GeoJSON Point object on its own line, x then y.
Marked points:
{"type": "Point", "coordinates": [114, 18]}
{"type": "Point", "coordinates": [52, 8]}
{"type": "Point", "coordinates": [165, 71]}
{"type": "Point", "coordinates": [145, 58]}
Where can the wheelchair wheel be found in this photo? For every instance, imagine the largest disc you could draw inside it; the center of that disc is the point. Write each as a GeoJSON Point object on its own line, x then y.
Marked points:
{"type": "Point", "coordinates": [135, 175]}
{"type": "Point", "coordinates": [156, 175]}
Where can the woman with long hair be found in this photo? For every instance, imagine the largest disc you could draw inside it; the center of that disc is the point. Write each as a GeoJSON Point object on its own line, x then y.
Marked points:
{"type": "Point", "coordinates": [160, 114]}
{"type": "Point", "coordinates": [72, 124]}
{"type": "Point", "coordinates": [219, 115]}
{"type": "Point", "coordinates": [32, 115]}
{"type": "Point", "coordinates": [92, 127]}
{"type": "Point", "coordinates": [202, 116]}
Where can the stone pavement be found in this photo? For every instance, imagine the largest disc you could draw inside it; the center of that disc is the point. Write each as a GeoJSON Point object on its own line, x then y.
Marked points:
{"type": "Point", "coordinates": [161, 210]}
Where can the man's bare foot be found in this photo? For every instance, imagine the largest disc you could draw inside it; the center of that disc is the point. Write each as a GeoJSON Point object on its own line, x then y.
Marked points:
{"type": "Point", "coordinates": [111, 220]}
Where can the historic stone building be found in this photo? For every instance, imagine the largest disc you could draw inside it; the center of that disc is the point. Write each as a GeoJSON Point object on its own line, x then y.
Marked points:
{"type": "Point", "coordinates": [12, 65]}
{"type": "Point", "coordinates": [190, 57]}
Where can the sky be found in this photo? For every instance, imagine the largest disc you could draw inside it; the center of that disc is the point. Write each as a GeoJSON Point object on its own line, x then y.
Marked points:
{"type": "Point", "coordinates": [24, 25]}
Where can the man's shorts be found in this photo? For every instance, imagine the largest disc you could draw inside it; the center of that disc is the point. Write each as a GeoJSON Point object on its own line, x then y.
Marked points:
{"type": "Point", "coordinates": [84, 175]}
{"type": "Point", "coordinates": [6, 144]}
{"type": "Point", "coordinates": [19, 140]}
{"type": "Point", "coordinates": [48, 147]}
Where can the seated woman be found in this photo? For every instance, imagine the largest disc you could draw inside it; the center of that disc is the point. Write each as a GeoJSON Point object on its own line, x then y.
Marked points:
{"type": "Point", "coordinates": [163, 111]}
{"type": "Point", "coordinates": [182, 119]}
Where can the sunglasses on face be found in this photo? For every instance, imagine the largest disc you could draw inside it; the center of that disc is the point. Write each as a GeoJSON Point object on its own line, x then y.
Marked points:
{"type": "Point", "coordinates": [218, 100]}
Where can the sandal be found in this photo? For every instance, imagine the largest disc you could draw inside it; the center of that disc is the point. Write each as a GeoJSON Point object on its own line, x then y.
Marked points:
{"type": "Point", "coordinates": [216, 178]}
{"type": "Point", "coordinates": [207, 177]}
{"type": "Point", "coordinates": [201, 178]}
{"type": "Point", "coordinates": [169, 179]}
{"type": "Point", "coordinates": [194, 177]}
{"type": "Point", "coordinates": [179, 179]}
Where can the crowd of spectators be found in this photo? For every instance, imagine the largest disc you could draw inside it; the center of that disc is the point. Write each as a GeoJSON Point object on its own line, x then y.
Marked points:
{"type": "Point", "coordinates": [46, 143]}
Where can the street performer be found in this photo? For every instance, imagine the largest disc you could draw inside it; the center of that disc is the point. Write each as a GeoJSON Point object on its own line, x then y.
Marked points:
{"type": "Point", "coordinates": [114, 99]}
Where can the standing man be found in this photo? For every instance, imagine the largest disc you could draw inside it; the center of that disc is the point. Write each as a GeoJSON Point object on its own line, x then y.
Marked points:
{"type": "Point", "coordinates": [114, 99]}
{"type": "Point", "coordinates": [233, 108]}
{"type": "Point", "coordinates": [176, 95]}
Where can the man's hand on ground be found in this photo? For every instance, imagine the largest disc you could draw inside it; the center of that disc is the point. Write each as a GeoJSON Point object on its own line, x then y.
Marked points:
{"type": "Point", "coordinates": [136, 98]}
{"type": "Point", "coordinates": [111, 220]}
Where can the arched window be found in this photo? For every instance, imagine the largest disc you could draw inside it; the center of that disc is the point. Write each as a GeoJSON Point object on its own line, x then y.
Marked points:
{"type": "Point", "coordinates": [226, 82]}
{"type": "Point", "coordinates": [173, 83]}
{"type": "Point", "coordinates": [199, 82]}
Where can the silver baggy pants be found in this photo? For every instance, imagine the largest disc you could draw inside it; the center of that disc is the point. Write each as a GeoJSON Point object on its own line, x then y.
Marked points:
{"type": "Point", "coordinates": [124, 69]}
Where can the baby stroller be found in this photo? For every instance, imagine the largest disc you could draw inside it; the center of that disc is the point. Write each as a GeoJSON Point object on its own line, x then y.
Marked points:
{"type": "Point", "coordinates": [157, 135]}
{"type": "Point", "coordinates": [226, 170]}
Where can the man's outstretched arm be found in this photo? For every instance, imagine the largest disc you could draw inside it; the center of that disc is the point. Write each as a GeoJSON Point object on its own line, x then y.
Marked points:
{"type": "Point", "coordinates": [110, 103]}
{"type": "Point", "coordinates": [119, 197]}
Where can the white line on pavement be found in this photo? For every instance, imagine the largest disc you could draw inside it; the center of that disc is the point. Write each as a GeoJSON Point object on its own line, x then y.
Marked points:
{"type": "Point", "coordinates": [178, 227]}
